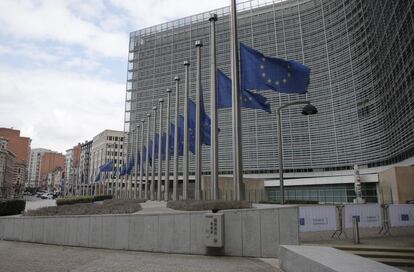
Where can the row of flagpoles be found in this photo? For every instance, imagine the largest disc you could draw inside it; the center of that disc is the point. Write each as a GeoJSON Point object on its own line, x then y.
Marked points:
{"type": "Point", "coordinates": [195, 128]}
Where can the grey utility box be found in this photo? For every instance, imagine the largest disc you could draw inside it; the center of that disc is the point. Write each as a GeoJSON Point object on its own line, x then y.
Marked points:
{"type": "Point", "coordinates": [214, 227]}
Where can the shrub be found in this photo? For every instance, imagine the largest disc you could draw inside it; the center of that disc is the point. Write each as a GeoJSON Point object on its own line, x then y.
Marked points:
{"type": "Point", "coordinates": [12, 206]}
{"type": "Point", "coordinates": [109, 206]}
{"type": "Point", "coordinates": [204, 205]}
{"type": "Point", "coordinates": [102, 197]}
{"type": "Point", "coordinates": [74, 200]}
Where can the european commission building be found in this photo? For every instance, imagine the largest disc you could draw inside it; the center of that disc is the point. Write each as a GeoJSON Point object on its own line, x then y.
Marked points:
{"type": "Point", "coordinates": [361, 57]}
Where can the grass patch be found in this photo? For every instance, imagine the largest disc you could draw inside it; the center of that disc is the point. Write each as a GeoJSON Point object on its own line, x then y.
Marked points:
{"type": "Point", "coordinates": [109, 206]}
{"type": "Point", "coordinates": [204, 205]}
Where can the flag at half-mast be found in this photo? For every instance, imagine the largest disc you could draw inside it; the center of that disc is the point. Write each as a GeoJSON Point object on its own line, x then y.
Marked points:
{"type": "Point", "coordinates": [248, 99]}
{"type": "Point", "coordinates": [259, 72]}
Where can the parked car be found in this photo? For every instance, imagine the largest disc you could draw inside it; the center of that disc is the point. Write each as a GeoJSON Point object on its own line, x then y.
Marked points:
{"type": "Point", "coordinates": [40, 193]}
{"type": "Point", "coordinates": [47, 196]}
{"type": "Point", "coordinates": [56, 195]}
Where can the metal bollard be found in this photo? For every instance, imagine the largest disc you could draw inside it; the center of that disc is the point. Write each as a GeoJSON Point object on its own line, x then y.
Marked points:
{"type": "Point", "coordinates": [355, 230]}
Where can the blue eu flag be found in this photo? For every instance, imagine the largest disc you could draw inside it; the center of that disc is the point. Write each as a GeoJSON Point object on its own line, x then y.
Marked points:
{"type": "Point", "coordinates": [205, 122]}
{"type": "Point", "coordinates": [163, 144]}
{"type": "Point", "coordinates": [191, 134]}
{"type": "Point", "coordinates": [180, 141]}
{"type": "Point", "coordinates": [259, 72]}
{"type": "Point", "coordinates": [122, 172]}
{"type": "Point", "coordinates": [150, 152]}
{"type": "Point", "coordinates": [156, 147]}
{"type": "Point", "coordinates": [129, 166]}
{"type": "Point", "coordinates": [248, 99]}
{"type": "Point", "coordinates": [144, 152]}
{"type": "Point", "coordinates": [138, 162]}
{"type": "Point", "coordinates": [107, 167]}
{"type": "Point", "coordinates": [98, 177]}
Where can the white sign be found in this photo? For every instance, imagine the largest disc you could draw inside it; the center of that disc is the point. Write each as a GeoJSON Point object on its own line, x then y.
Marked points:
{"type": "Point", "coordinates": [317, 218]}
{"type": "Point", "coordinates": [401, 215]}
{"type": "Point", "coordinates": [369, 215]}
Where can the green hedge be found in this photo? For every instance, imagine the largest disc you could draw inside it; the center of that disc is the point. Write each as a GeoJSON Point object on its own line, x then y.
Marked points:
{"type": "Point", "coordinates": [75, 200]}
{"type": "Point", "coordinates": [205, 205]}
{"type": "Point", "coordinates": [292, 201]}
{"type": "Point", "coordinates": [102, 197]}
{"type": "Point", "coordinates": [81, 199]}
{"type": "Point", "coordinates": [12, 206]}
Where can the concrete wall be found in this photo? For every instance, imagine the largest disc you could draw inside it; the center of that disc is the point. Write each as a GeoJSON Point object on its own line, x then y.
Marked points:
{"type": "Point", "coordinates": [251, 232]}
{"type": "Point", "coordinates": [399, 181]}
{"type": "Point", "coordinates": [327, 259]}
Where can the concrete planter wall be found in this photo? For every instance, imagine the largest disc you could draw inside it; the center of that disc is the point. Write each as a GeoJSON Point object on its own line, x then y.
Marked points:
{"type": "Point", "coordinates": [252, 232]}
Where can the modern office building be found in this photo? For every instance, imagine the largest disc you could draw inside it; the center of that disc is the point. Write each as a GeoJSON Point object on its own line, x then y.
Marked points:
{"type": "Point", "coordinates": [35, 161]}
{"type": "Point", "coordinates": [72, 162]}
{"type": "Point", "coordinates": [106, 146]}
{"type": "Point", "coordinates": [84, 163]}
{"type": "Point", "coordinates": [362, 69]}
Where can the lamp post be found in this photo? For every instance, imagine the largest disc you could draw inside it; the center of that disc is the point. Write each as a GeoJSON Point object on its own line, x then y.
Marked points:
{"type": "Point", "coordinates": [308, 109]}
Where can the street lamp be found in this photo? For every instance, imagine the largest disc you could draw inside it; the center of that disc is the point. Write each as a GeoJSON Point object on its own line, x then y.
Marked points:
{"type": "Point", "coordinates": [308, 109]}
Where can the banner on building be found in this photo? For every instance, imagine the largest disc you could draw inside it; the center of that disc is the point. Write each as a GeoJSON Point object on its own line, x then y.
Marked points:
{"type": "Point", "coordinates": [401, 215]}
{"type": "Point", "coordinates": [317, 218]}
{"type": "Point", "coordinates": [369, 215]}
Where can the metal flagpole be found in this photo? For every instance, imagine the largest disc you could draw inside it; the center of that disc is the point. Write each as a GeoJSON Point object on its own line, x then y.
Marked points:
{"type": "Point", "coordinates": [213, 100]}
{"type": "Point", "coordinates": [118, 158]}
{"type": "Point", "coordinates": [177, 105]}
{"type": "Point", "coordinates": [136, 160]}
{"type": "Point", "coordinates": [127, 178]}
{"type": "Point", "coordinates": [153, 153]}
{"type": "Point", "coordinates": [105, 189]}
{"type": "Point", "coordinates": [92, 173]}
{"type": "Point", "coordinates": [100, 178]}
{"type": "Point", "coordinates": [185, 151]}
{"type": "Point", "coordinates": [238, 187]}
{"type": "Point", "coordinates": [141, 168]}
{"type": "Point", "coordinates": [110, 172]}
{"type": "Point", "coordinates": [167, 148]}
{"type": "Point", "coordinates": [124, 159]}
{"type": "Point", "coordinates": [147, 157]}
{"type": "Point", "coordinates": [198, 45]}
{"type": "Point", "coordinates": [161, 101]}
{"type": "Point", "coordinates": [107, 174]}
{"type": "Point", "coordinates": [97, 163]}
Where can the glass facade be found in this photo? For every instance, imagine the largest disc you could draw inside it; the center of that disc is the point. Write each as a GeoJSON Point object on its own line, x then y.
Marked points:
{"type": "Point", "coordinates": [325, 194]}
{"type": "Point", "coordinates": [361, 59]}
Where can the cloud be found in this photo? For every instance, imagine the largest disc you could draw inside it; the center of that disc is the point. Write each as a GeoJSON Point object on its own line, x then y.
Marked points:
{"type": "Point", "coordinates": [28, 51]}
{"type": "Point", "coordinates": [58, 110]}
{"type": "Point", "coordinates": [149, 13]}
{"type": "Point", "coordinates": [53, 20]}
{"type": "Point", "coordinates": [62, 63]}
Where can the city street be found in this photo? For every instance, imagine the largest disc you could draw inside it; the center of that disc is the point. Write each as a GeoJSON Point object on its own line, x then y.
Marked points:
{"type": "Point", "coordinates": [17, 257]}
{"type": "Point", "coordinates": [37, 203]}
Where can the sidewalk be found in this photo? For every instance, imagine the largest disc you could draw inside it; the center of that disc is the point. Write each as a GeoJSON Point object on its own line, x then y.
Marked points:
{"type": "Point", "coordinates": [17, 257]}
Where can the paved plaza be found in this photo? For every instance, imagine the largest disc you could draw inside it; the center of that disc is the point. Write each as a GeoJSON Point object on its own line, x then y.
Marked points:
{"type": "Point", "coordinates": [17, 257]}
